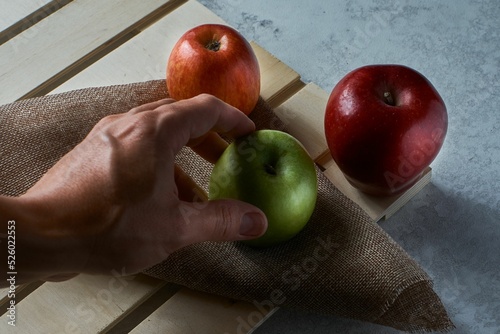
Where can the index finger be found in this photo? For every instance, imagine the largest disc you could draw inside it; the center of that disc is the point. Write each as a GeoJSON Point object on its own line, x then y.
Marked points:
{"type": "Point", "coordinates": [184, 121]}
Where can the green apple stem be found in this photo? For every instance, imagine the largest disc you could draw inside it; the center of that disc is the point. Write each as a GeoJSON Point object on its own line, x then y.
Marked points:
{"type": "Point", "coordinates": [270, 169]}
{"type": "Point", "coordinates": [213, 45]}
{"type": "Point", "coordinates": [389, 99]}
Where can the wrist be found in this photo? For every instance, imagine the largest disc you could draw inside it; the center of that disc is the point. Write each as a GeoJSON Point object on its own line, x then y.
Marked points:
{"type": "Point", "coordinates": [43, 247]}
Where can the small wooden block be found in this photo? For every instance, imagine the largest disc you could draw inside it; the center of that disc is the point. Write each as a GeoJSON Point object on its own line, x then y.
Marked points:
{"type": "Point", "coordinates": [376, 207]}
{"type": "Point", "coordinates": [303, 114]}
{"type": "Point", "coordinates": [276, 72]}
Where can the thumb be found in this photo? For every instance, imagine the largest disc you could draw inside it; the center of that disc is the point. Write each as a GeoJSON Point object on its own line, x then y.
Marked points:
{"type": "Point", "coordinates": [221, 220]}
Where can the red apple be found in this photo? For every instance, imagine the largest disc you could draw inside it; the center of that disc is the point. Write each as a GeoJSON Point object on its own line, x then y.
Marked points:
{"type": "Point", "coordinates": [217, 60]}
{"type": "Point", "coordinates": [384, 124]}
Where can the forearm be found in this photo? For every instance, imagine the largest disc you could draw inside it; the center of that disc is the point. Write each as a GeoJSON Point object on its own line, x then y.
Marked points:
{"type": "Point", "coordinates": [31, 248]}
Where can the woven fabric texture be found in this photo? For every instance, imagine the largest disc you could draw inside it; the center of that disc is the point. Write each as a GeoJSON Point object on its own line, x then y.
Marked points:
{"type": "Point", "coordinates": [341, 264]}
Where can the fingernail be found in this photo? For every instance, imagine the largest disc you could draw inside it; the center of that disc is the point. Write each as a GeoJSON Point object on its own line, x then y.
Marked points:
{"type": "Point", "coordinates": [252, 224]}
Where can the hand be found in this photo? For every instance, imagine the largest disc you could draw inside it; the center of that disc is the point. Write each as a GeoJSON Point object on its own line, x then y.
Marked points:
{"type": "Point", "coordinates": [116, 201]}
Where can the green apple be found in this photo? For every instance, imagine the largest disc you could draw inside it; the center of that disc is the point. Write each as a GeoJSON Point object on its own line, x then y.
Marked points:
{"type": "Point", "coordinates": [271, 170]}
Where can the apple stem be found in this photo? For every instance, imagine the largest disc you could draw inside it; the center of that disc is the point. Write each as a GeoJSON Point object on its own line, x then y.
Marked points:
{"type": "Point", "coordinates": [213, 45]}
{"type": "Point", "coordinates": [270, 169]}
{"type": "Point", "coordinates": [389, 99]}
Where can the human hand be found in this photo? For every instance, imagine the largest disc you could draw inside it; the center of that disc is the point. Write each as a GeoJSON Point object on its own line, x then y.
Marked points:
{"type": "Point", "coordinates": [114, 201]}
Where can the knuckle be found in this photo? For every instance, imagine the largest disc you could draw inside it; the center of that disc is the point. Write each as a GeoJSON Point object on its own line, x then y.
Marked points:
{"type": "Point", "coordinates": [205, 98]}
{"type": "Point", "coordinates": [136, 128]}
{"type": "Point", "coordinates": [105, 122]}
{"type": "Point", "coordinates": [226, 218]}
{"type": "Point", "coordinates": [134, 110]}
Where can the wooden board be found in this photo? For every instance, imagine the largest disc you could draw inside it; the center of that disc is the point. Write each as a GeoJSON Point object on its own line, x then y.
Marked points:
{"type": "Point", "coordinates": [86, 29]}
{"type": "Point", "coordinates": [376, 207]}
{"type": "Point", "coordinates": [303, 115]}
{"type": "Point", "coordinates": [18, 16]}
{"type": "Point", "coordinates": [86, 304]}
{"type": "Point", "coordinates": [213, 315]}
{"type": "Point", "coordinates": [17, 11]}
{"type": "Point", "coordinates": [145, 58]}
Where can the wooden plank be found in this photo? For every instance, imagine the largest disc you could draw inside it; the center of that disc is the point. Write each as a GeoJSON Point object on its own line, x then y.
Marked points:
{"type": "Point", "coordinates": [303, 114]}
{"type": "Point", "coordinates": [148, 61]}
{"type": "Point", "coordinates": [125, 324]}
{"type": "Point", "coordinates": [194, 312]}
{"type": "Point", "coordinates": [272, 88]}
{"type": "Point", "coordinates": [19, 294]}
{"type": "Point", "coordinates": [145, 57]}
{"type": "Point", "coordinates": [84, 304]}
{"type": "Point", "coordinates": [29, 19]}
{"type": "Point", "coordinates": [376, 207]}
{"type": "Point", "coordinates": [15, 11]}
{"type": "Point", "coordinates": [41, 57]}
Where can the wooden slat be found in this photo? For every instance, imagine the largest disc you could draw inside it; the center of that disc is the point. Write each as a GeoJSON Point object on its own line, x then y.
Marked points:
{"type": "Point", "coordinates": [126, 323]}
{"type": "Point", "coordinates": [19, 294]}
{"type": "Point", "coordinates": [76, 35]}
{"type": "Point", "coordinates": [85, 304]}
{"type": "Point", "coordinates": [15, 11]}
{"type": "Point", "coordinates": [278, 81]}
{"type": "Point", "coordinates": [376, 207]}
{"type": "Point", "coordinates": [145, 57]}
{"type": "Point", "coordinates": [272, 88]}
{"type": "Point", "coordinates": [303, 114]}
{"type": "Point", "coordinates": [194, 312]}
{"type": "Point", "coordinates": [38, 14]}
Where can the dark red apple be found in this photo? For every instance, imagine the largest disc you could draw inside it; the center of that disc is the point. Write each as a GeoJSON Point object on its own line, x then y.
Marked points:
{"type": "Point", "coordinates": [217, 60]}
{"type": "Point", "coordinates": [384, 124]}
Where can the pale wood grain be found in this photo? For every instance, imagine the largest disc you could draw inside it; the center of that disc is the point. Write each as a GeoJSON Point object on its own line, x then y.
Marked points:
{"type": "Point", "coordinates": [17, 294]}
{"type": "Point", "coordinates": [144, 57]}
{"type": "Point", "coordinates": [194, 312]}
{"type": "Point", "coordinates": [272, 88]}
{"type": "Point", "coordinates": [45, 53]}
{"type": "Point", "coordinates": [303, 115]}
{"type": "Point", "coordinates": [14, 11]}
{"type": "Point", "coordinates": [85, 304]}
{"type": "Point", "coordinates": [31, 19]}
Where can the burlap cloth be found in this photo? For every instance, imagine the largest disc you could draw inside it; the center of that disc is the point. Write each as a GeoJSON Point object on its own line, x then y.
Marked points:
{"type": "Point", "coordinates": [341, 263]}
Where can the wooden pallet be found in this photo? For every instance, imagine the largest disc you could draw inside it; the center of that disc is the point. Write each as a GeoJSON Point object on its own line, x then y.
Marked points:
{"type": "Point", "coordinates": [55, 46]}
